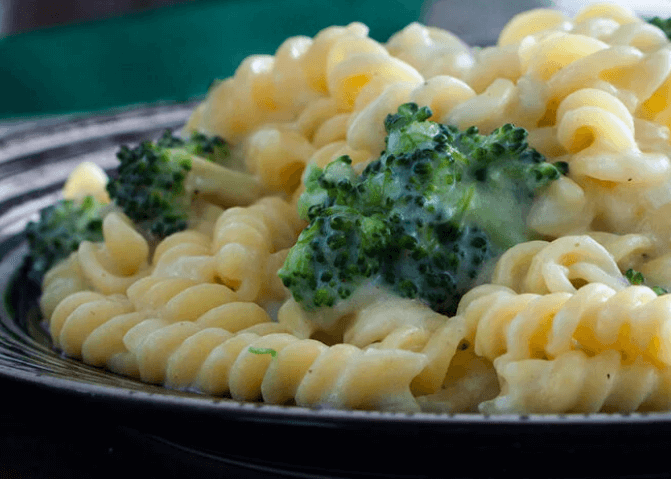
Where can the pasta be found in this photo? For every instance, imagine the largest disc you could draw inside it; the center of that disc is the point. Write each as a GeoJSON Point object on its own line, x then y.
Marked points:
{"type": "Point", "coordinates": [576, 382]}
{"type": "Point", "coordinates": [557, 325]}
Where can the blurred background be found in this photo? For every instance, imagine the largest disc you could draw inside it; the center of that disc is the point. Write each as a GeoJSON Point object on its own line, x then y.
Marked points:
{"type": "Point", "coordinates": [24, 15]}
{"type": "Point", "coordinates": [71, 56]}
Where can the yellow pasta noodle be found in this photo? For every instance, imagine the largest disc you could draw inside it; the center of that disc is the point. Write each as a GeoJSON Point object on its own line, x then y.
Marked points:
{"type": "Point", "coordinates": [61, 281]}
{"type": "Point", "coordinates": [431, 51]}
{"type": "Point", "coordinates": [565, 264]}
{"type": "Point", "coordinates": [632, 321]}
{"type": "Point", "coordinates": [575, 382]}
{"type": "Point", "coordinates": [87, 179]}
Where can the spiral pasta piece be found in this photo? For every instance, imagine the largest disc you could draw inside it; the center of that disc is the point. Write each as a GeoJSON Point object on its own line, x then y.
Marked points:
{"type": "Point", "coordinates": [64, 308]}
{"type": "Point", "coordinates": [64, 279]}
{"type": "Point", "coordinates": [256, 364]}
{"type": "Point", "coordinates": [152, 292]}
{"type": "Point", "coordinates": [315, 114]}
{"type": "Point", "coordinates": [346, 79]}
{"type": "Point", "coordinates": [182, 366]}
{"type": "Point", "coordinates": [84, 319]}
{"type": "Point", "coordinates": [431, 51]}
{"type": "Point", "coordinates": [234, 316]}
{"type": "Point", "coordinates": [104, 347]}
{"type": "Point", "coordinates": [120, 260]}
{"type": "Point", "coordinates": [633, 321]}
{"type": "Point", "coordinates": [470, 380]}
{"type": "Point", "coordinates": [599, 70]}
{"type": "Point", "coordinates": [488, 110]}
{"type": "Point", "coordinates": [544, 58]}
{"type": "Point", "coordinates": [533, 21]}
{"type": "Point", "coordinates": [292, 92]}
{"type": "Point", "coordinates": [641, 35]}
{"type": "Point", "coordinates": [389, 323]}
{"type": "Point", "coordinates": [366, 129]}
{"type": "Point", "coordinates": [562, 209]}
{"type": "Point", "coordinates": [561, 265]}
{"type": "Point", "coordinates": [441, 93]}
{"type": "Point", "coordinates": [91, 326]}
{"type": "Point", "coordinates": [245, 239]}
{"type": "Point", "coordinates": [184, 256]}
{"type": "Point", "coordinates": [87, 179]}
{"type": "Point", "coordinates": [314, 63]}
{"type": "Point", "coordinates": [619, 13]}
{"type": "Point", "coordinates": [602, 141]}
{"type": "Point", "coordinates": [628, 251]}
{"type": "Point", "coordinates": [378, 320]}
{"type": "Point", "coordinates": [126, 247]}
{"type": "Point", "coordinates": [277, 156]}
{"type": "Point", "coordinates": [576, 382]}
{"type": "Point", "coordinates": [101, 273]}
{"type": "Point", "coordinates": [192, 302]}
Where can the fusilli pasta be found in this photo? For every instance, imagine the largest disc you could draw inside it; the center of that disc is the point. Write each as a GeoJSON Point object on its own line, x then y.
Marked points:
{"type": "Point", "coordinates": [556, 326]}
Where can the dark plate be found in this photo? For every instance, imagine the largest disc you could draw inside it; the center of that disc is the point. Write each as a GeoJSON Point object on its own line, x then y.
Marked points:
{"type": "Point", "coordinates": [190, 432]}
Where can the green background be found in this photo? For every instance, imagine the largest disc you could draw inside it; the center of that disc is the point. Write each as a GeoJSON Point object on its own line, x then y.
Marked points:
{"type": "Point", "coordinates": [172, 53]}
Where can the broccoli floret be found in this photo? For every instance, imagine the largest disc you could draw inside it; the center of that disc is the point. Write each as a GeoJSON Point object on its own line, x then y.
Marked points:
{"type": "Point", "coordinates": [420, 221]}
{"type": "Point", "coordinates": [58, 232]}
{"type": "Point", "coordinates": [158, 182]}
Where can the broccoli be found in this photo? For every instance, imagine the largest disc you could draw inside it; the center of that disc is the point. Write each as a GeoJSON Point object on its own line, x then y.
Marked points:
{"type": "Point", "coordinates": [60, 229]}
{"type": "Point", "coordinates": [420, 221]}
{"type": "Point", "coordinates": [155, 186]}
{"type": "Point", "coordinates": [158, 182]}
{"type": "Point", "coordinates": [212, 148]}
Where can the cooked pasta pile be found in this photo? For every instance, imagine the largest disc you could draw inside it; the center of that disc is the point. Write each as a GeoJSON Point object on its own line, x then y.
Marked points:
{"type": "Point", "coordinates": [556, 328]}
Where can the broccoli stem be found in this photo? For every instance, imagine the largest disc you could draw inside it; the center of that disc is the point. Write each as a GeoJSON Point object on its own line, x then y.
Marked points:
{"type": "Point", "coordinates": [220, 185]}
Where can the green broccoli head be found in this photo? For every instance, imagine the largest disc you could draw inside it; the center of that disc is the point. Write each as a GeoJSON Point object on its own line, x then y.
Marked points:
{"type": "Point", "coordinates": [337, 251]}
{"type": "Point", "coordinates": [149, 185]}
{"type": "Point", "coordinates": [157, 183]}
{"type": "Point", "coordinates": [58, 232]}
{"type": "Point", "coordinates": [422, 219]}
